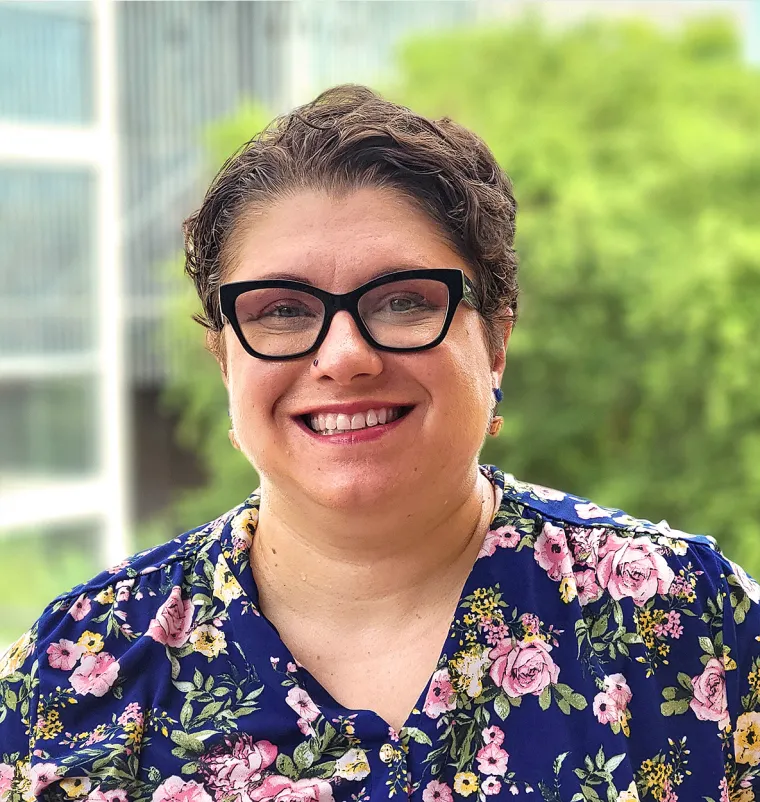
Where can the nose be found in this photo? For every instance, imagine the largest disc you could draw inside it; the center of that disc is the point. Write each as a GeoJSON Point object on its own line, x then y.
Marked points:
{"type": "Point", "coordinates": [344, 354]}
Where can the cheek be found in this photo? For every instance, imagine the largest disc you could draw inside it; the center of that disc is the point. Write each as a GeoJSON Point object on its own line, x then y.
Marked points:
{"type": "Point", "coordinates": [460, 386]}
{"type": "Point", "coordinates": [253, 386]}
{"type": "Point", "coordinates": [468, 372]}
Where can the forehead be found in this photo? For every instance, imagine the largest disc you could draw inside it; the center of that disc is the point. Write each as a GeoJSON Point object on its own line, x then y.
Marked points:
{"type": "Point", "coordinates": [337, 241]}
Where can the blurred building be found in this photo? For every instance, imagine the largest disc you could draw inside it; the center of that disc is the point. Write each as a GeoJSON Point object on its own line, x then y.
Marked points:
{"type": "Point", "coordinates": [102, 110]}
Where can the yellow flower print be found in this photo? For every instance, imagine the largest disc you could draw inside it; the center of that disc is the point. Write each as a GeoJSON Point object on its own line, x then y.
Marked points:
{"type": "Point", "coordinates": [226, 586]}
{"type": "Point", "coordinates": [134, 732]}
{"type": "Point", "coordinates": [629, 795]}
{"type": "Point", "coordinates": [105, 596]}
{"type": "Point", "coordinates": [465, 783]}
{"type": "Point", "coordinates": [208, 640]}
{"type": "Point", "coordinates": [568, 589]}
{"type": "Point", "coordinates": [754, 679]}
{"type": "Point", "coordinates": [467, 668]}
{"type": "Point", "coordinates": [353, 765]}
{"type": "Point", "coordinates": [48, 726]}
{"type": "Point", "coordinates": [75, 786]}
{"type": "Point", "coordinates": [747, 739]}
{"type": "Point", "coordinates": [657, 776]}
{"type": "Point", "coordinates": [386, 753]}
{"type": "Point", "coordinates": [14, 657]}
{"type": "Point", "coordinates": [91, 642]}
{"type": "Point", "coordinates": [242, 526]}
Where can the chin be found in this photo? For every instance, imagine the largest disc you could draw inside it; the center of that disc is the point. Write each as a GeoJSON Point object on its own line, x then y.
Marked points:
{"type": "Point", "coordinates": [362, 486]}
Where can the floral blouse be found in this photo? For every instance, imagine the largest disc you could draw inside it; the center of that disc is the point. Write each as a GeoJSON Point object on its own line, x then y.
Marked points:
{"type": "Point", "coordinates": [592, 657]}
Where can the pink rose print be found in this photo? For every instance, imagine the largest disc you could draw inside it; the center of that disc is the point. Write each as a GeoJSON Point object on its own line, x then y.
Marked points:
{"type": "Point", "coordinates": [175, 789]}
{"type": "Point", "coordinates": [131, 713]}
{"type": "Point", "coordinates": [436, 791]}
{"type": "Point", "coordinates": [95, 674]}
{"type": "Point", "coordinates": [710, 702]}
{"type": "Point", "coordinates": [491, 786]}
{"type": "Point", "coordinates": [633, 567]}
{"type": "Point", "coordinates": [6, 778]}
{"type": "Point", "coordinates": [283, 789]}
{"type": "Point", "coordinates": [584, 544]}
{"type": "Point", "coordinates": [605, 708]}
{"type": "Point", "coordinates": [64, 654]}
{"type": "Point", "coordinates": [440, 696]}
{"type": "Point", "coordinates": [107, 796]}
{"type": "Point", "coordinates": [305, 727]}
{"type": "Point", "coordinates": [551, 552]}
{"type": "Point", "coordinates": [492, 759]}
{"type": "Point", "coordinates": [173, 621]}
{"type": "Point", "coordinates": [233, 766]}
{"type": "Point", "coordinates": [302, 703]}
{"type": "Point", "coordinates": [588, 589]}
{"type": "Point", "coordinates": [589, 510]}
{"type": "Point", "coordinates": [493, 735]}
{"type": "Point", "coordinates": [616, 687]}
{"type": "Point", "coordinates": [547, 493]}
{"type": "Point", "coordinates": [40, 776]}
{"type": "Point", "coordinates": [80, 608]}
{"type": "Point", "coordinates": [123, 589]}
{"type": "Point", "coordinates": [523, 667]}
{"type": "Point", "coordinates": [505, 537]}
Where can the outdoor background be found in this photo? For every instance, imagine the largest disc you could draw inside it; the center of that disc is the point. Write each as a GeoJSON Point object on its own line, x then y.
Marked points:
{"type": "Point", "coordinates": [631, 131]}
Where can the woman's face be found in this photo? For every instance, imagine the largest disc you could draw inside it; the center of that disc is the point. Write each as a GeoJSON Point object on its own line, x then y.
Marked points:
{"type": "Point", "coordinates": [337, 244]}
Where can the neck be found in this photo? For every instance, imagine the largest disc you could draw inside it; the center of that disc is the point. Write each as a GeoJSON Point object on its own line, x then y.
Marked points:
{"type": "Point", "coordinates": [334, 565]}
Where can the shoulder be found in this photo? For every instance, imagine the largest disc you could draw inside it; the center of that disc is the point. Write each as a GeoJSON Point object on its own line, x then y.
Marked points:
{"type": "Point", "coordinates": [601, 552]}
{"type": "Point", "coordinates": [91, 645]}
{"type": "Point", "coordinates": [128, 596]}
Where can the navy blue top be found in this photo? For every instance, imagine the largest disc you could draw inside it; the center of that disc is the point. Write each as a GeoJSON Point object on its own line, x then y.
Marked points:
{"type": "Point", "coordinates": [592, 656]}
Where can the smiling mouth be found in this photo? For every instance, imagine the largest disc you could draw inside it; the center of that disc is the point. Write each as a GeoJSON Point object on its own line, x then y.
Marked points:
{"type": "Point", "coordinates": [332, 423]}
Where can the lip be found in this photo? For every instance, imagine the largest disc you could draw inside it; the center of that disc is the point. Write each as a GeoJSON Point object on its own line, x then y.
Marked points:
{"type": "Point", "coordinates": [356, 436]}
{"type": "Point", "coordinates": [350, 409]}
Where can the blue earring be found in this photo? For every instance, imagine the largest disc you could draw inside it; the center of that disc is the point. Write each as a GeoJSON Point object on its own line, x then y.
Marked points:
{"type": "Point", "coordinates": [498, 395]}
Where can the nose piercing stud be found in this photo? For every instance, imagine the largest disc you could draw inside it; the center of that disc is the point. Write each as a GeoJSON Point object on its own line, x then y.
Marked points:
{"type": "Point", "coordinates": [315, 362]}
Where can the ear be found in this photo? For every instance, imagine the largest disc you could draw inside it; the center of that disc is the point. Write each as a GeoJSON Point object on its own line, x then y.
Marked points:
{"type": "Point", "coordinates": [216, 347]}
{"type": "Point", "coordinates": [499, 361]}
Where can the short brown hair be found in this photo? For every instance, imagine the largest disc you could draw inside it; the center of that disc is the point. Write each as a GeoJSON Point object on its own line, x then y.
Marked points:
{"type": "Point", "coordinates": [349, 138]}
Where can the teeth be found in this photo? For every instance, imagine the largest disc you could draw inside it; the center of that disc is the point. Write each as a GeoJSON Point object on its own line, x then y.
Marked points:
{"type": "Point", "coordinates": [358, 421]}
{"type": "Point", "coordinates": [344, 422]}
{"type": "Point", "coordinates": [327, 423]}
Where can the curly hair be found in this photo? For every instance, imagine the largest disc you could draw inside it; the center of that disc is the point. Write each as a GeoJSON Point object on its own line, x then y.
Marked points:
{"type": "Point", "coordinates": [350, 138]}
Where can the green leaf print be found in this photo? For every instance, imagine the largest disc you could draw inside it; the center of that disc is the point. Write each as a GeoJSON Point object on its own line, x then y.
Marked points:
{"type": "Point", "coordinates": [501, 706]}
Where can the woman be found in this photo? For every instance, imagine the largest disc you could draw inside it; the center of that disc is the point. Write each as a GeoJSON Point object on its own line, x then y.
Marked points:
{"type": "Point", "coordinates": [384, 618]}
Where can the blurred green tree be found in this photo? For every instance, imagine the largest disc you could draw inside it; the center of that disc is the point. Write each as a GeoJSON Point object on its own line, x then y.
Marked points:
{"type": "Point", "coordinates": [194, 388]}
{"type": "Point", "coordinates": [633, 372]}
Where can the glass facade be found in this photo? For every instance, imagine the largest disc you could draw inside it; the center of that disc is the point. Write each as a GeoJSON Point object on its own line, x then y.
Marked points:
{"type": "Point", "coordinates": [46, 51]}
{"type": "Point", "coordinates": [53, 485]}
{"type": "Point", "coordinates": [47, 261]}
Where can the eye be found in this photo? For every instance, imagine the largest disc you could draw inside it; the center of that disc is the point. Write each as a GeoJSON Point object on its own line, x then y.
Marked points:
{"type": "Point", "coordinates": [287, 310]}
{"type": "Point", "coordinates": [405, 303]}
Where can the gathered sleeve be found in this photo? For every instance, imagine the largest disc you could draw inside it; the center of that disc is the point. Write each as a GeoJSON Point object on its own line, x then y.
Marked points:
{"type": "Point", "coordinates": [19, 682]}
{"type": "Point", "coordinates": [739, 598]}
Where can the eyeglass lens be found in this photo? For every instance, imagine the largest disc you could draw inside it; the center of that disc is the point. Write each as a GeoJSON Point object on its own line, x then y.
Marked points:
{"type": "Point", "coordinates": [408, 313]}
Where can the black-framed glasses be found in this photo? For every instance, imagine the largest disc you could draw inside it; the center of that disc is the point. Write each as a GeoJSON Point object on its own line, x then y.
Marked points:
{"type": "Point", "coordinates": [409, 310]}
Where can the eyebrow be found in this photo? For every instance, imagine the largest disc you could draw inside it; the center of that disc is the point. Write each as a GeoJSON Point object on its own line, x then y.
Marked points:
{"type": "Point", "coordinates": [287, 276]}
